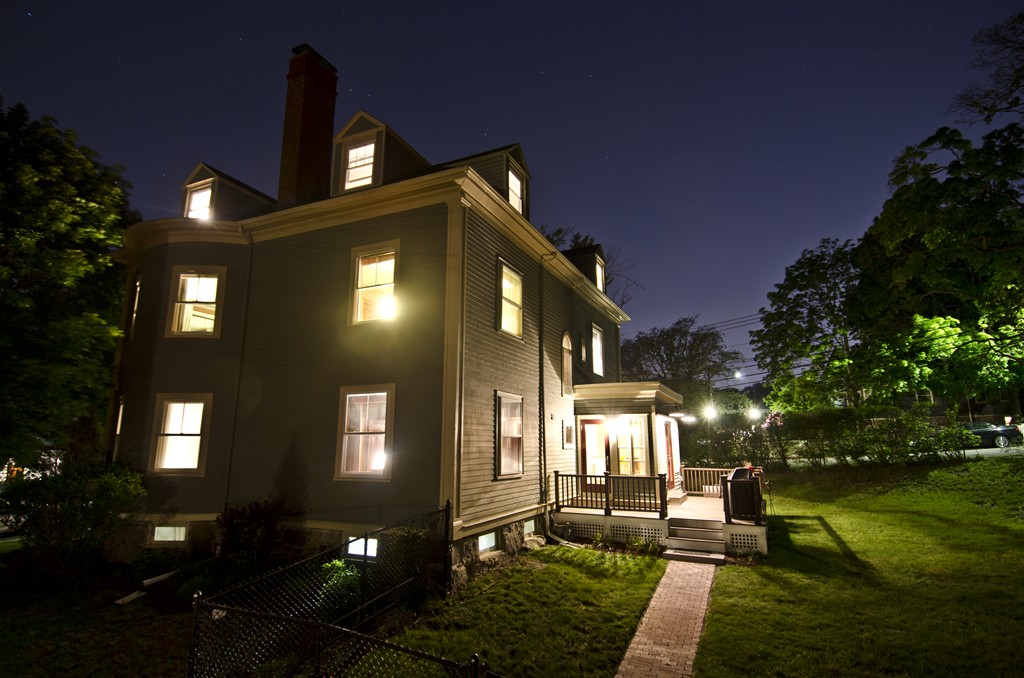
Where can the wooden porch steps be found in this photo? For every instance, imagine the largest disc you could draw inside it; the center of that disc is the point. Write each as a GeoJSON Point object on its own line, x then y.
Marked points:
{"type": "Point", "coordinates": [694, 556]}
{"type": "Point", "coordinates": [691, 535]}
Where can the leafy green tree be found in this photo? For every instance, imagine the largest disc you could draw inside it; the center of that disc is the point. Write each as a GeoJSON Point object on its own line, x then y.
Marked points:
{"type": "Point", "coordinates": [66, 516]}
{"type": "Point", "coordinates": [806, 342]}
{"type": "Point", "coordinates": [61, 214]}
{"type": "Point", "coordinates": [686, 357]}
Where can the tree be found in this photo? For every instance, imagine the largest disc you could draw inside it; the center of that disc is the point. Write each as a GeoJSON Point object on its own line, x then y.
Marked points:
{"type": "Point", "coordinates": [999, 50]}
{"type": "Point", "coordinates": [684, 356]}
{"type": "Point", "coordinates": [61, 214]}
{"type": "Point", "coordinates": [806, 341]}
{"type": "Point", "coordinates": [616, 266]}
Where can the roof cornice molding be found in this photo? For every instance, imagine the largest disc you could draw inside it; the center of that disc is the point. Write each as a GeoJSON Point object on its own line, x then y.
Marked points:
{"type": "Point", "coordinates": [628, 390]}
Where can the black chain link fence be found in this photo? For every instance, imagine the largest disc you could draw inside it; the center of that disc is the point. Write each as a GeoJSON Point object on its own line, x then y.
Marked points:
{"type": "Point", "coordinates": [329, 614]}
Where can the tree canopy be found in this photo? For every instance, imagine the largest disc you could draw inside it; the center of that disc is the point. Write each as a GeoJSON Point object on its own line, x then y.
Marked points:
{"type": "Point", "coordinates": [61, 214]}
{"type": "Point", "coordinates": [686, 357]}
{"type": "Point", "coordinates": [806, 342]}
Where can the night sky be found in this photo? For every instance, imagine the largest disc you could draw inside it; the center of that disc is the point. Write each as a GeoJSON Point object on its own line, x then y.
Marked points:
{"type": "Point", "coordinates": [712, 141]}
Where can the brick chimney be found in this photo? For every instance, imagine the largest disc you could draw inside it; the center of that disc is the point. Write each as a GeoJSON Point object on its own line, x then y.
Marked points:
{"type": "Point", "coordinates": [308, 129]}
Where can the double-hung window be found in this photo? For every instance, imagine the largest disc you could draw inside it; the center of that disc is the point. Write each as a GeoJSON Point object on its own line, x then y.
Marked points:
{"type": "Point", "coordinates": [515, 191]}
{"type": "Point", "coordinates": [599, 274]}
{"type": "Point", "coordinates": [597, 349]}
{"type": "Point", "coordinates": [359, 165]}
{"type": "Point", "coordinates": [199, 202]}
{"type": "Point", "coordinates": [365, 432]}
{"type": "Point", "coordinates": [511, 312]}
{"type": "Point", "coordinates": [181, 439]}
{"type": "Point", "coordinates": [197, 293]}
{"type": "Point", "coordinates": [509, 416]}
{"type": "Point", "coordinates": [566, 365]}
{"type": "Point", "coordinates": [375, 284]}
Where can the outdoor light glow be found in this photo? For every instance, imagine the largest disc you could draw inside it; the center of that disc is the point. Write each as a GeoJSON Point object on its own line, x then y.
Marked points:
{"type": "Point", "coordinates": [710, 412]}
{"type": "Point", "coordinates": [754, 413]}
{"type": "Point", "coordinates": [737, 374]}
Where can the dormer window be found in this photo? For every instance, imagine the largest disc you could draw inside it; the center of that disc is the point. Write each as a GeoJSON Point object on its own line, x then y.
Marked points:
{"type": "Point", "coordinates": [197, 205]}
{"type": "Point", "coordinates": [515, 191]}
{"type": "Point", "coordinates": [599, 274]}
{"type": "Point", "coordinates": [359, 165]}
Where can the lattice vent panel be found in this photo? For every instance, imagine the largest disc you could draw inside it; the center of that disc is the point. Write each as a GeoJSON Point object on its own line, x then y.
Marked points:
{"type": "Point", "coordinates": [744, 543]}
{"type": "Point", "coordinates": [623, 533]}
{"type": "Point", "coordinates": [584, 530]}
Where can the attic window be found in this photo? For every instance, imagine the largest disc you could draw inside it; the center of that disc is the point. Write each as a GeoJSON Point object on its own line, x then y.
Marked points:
{"type": "Point", "coordinates": [359, 165]}
{"type": "Point", "coordinates": [599, 274]}
{"type": "Point", "coordinates": [198, 203]}
{"type": "Point", "coordinates": [515, 191]}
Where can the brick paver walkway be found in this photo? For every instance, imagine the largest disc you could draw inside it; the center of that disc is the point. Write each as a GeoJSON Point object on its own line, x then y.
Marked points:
{"type": "Point", "coordinates": [665, 642]}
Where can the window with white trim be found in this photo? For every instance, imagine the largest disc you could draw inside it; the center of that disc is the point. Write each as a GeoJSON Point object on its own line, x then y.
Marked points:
{"type": "Point", "coordinates": [180, 444]}
{"type": "Point", "coordinates": [487, 542]}
{"type": "Point", "coordinates": [515, 191]}
{"type": "Point", "coordinates": [566, 365]}
{"type": "Point", "coordinates": [362, 547]}
{"type": "Point", "coordinates": [509, 419]}
{"type": "Point", "coordinates": [359, 165]}
{"type": "Point", "coordinates": [597, 348]}
{"type": "Point", "coordinates": [599, 274]}
{"type": "Point", "coordinates": [199, 201]}
{"type": "Point", "coordinates": [375, 285]}
{"type": "Point", "coordinates": [169, 533]}
{"type": "Point", "coordinates": [511, 301]}
{"type": "Point", "coordinates": [197, 293]}
{"type": "Point", "coordinates": [365, 432]}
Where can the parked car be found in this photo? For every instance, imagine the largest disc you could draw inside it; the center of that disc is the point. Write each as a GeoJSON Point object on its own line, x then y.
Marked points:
{"type": "Point", "coordinates": [995, 436]}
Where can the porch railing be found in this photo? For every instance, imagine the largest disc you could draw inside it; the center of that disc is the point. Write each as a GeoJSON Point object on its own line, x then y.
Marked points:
{"type": "Point", "coordinates": [612, 493]}
{"type": "Point", "coordinates": [705, 482]}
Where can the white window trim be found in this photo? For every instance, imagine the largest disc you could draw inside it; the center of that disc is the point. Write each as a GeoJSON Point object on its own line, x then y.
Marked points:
{"type": "Point", "coordinates": [220, 272]}
{"type": "Point", "coordinates": [499, 470]}
{"type": "Point", "coordinates": [342, 150]}
{"type": "Point", "coordinates": [597, 349]}
{"type": "Point", "coordinates": [599, 273]}
{"type": "Point", "coordinates": [384, 475]}
{"type": "Point", "coordinates": [366, 251]}
{"type": "Point", "coordinates": [502, 299]}
{"type": "Point", "coordinates": [567, 357]}
{"type": "Point", "coordinates": [200, 187]}
{"type": "Point", "coordinates": [179, 530]}
{"type": "Point", "coordinates": [204, 433]}
{"type": "Point", "coordinates": [517, 200]}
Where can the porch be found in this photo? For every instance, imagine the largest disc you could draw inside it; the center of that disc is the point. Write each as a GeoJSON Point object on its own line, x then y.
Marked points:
{"type": "Point", "coordinates": [711, 510]}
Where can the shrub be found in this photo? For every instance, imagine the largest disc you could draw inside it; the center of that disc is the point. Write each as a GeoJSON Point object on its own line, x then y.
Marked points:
{"type": "Point", "coordinates": [66, 515]}
{"type": "Point", "coordinates": [248, 534]}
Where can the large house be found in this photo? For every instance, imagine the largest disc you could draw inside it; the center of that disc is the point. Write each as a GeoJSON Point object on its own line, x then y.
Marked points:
{"type": "Point", "coordinates": [385, 336]}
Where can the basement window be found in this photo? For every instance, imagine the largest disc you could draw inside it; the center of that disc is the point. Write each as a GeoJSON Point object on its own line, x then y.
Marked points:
{"type": "Point", "coordinates": [169, 533]}
{"type": "Point", "coordinates": [487, 542]}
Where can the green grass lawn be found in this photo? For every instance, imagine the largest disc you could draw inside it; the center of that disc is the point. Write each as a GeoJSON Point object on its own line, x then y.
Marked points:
{"type": "Point", "coordinates": [879, 571]}
{"type": "Point", "coordinates": [871, 571]}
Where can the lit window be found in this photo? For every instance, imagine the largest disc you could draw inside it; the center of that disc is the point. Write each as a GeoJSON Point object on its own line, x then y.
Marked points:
{"type": "Point", "coordinates": [510, 435]}
{"type": "Point", "coordinates": [363, 547]}
{"type": "Point", "coordinates": [529, 526]}
{"type": "Point", "coordinates": [631, 442]}
{"type": "Point", "coordinates": [597, 349]}
{"type": "Point", "coordinates": [199, 203]}
{"type": "Point", "coordinates": [375, 286]}
{"type": "Point", "coordinates": [511, 301]}
{"type": "Point", "coordinates": [515, 191]}
{"type": "Point", "coordinates": [195, 302]}
{"type": "Point", "coordinates": [486, 542]}
{"type": "Point", "coordinates": [599, 274]}
{"type": "Point", "coordinates": [359, 166]}
{"type": "Point", "coordinates": [364, 446]}
{"type": "Point", "coordinates": [179, 444]}
{"type": "Point", "coordinates": [566, 365]}
{"type": "Point", "coordinates": [169, 533]}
